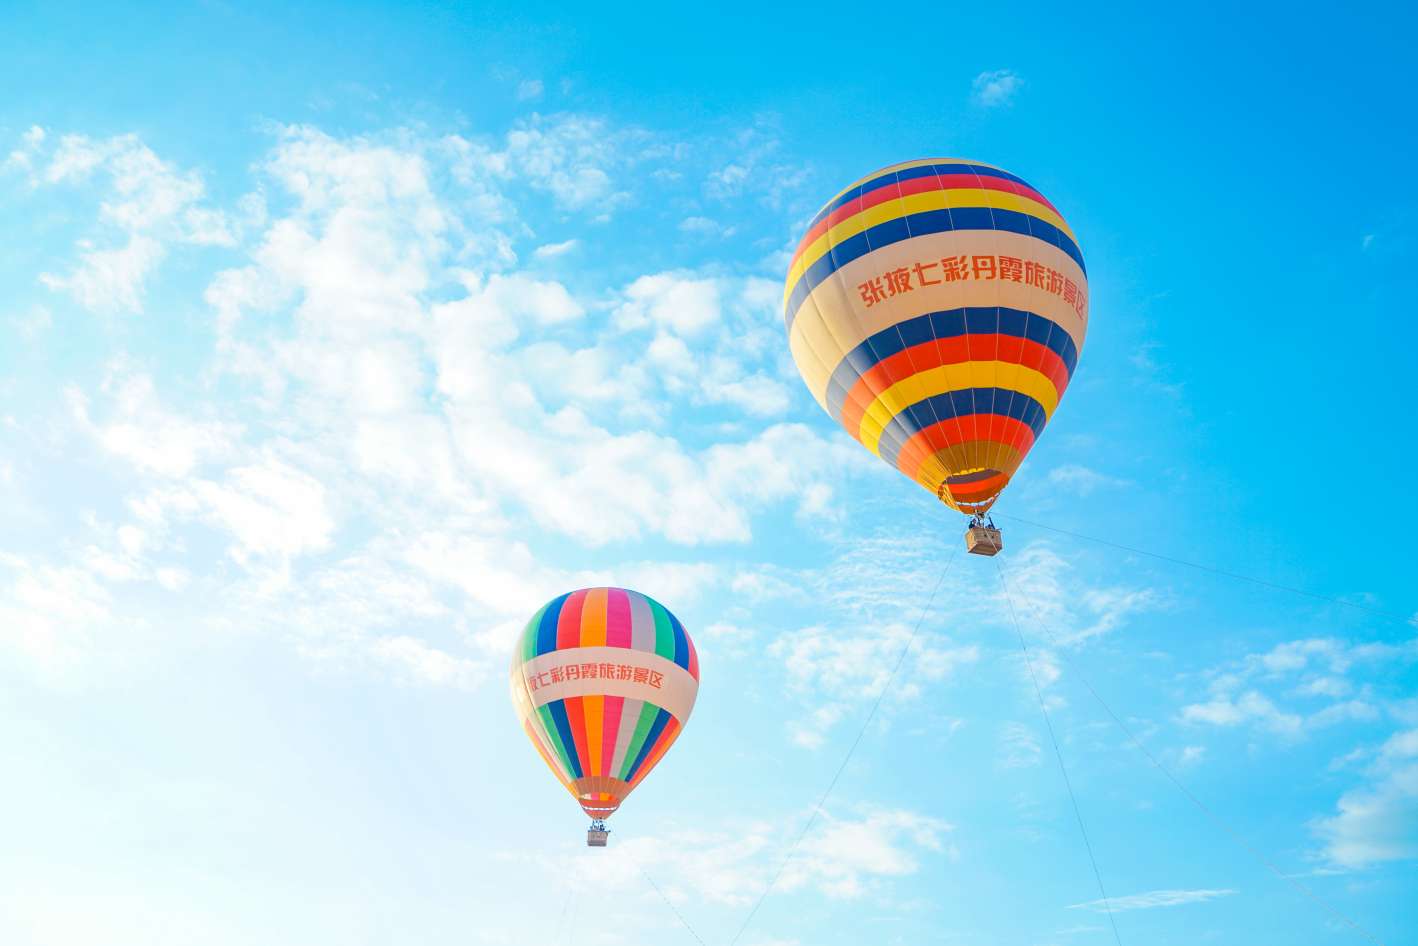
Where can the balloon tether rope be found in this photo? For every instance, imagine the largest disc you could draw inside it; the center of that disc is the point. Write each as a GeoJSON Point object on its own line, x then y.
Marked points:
{"type": "Point", "coordinates": [673, 909]}
{"type": "Point", "coordinates": [1058, 754]}
{"type": "Point", "coordinates": [1274, 586]}
{"type": "Point", "coordinates": [1226, 828]}
{"type": "Point", "coordinates": [871, 715]}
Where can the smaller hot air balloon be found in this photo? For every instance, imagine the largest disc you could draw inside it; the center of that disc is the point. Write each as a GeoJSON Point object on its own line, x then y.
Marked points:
{"type": "Point", "coordinates": [603, 680]}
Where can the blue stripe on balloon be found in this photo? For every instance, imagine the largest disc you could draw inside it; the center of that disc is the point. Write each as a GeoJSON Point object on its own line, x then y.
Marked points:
{"type": "Point", "coordinates": [909, 174]}
{"type": "Point", "coordinates": [948, 323]}
{"type": "Point", "coordinates": [651, 737]}
{"type": "Point", "coordinates": [546, 631]}
{"type": "Point", "coordinates": [563, 729]}
{"type": "Point", "coordinates": [922, 224]}
{"type": "Point", "coordinates": [925, 413]}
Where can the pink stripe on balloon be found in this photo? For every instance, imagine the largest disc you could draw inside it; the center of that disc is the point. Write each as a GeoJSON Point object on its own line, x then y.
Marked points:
{"type": "Point", "coordinates": [618, 618]}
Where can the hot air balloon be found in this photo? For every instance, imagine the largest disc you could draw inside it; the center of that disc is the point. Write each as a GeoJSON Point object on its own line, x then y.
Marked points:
{"type": "Point", "coordinates": [936, 310]}
{"type": "Point", "coordinates": [603, 680]}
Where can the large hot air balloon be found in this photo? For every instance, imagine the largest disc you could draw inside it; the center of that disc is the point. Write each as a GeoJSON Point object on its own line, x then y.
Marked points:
{"type": "Point", "coordinates": [936, 310]}
{"type": "Point", "coordinates": [603, 680]}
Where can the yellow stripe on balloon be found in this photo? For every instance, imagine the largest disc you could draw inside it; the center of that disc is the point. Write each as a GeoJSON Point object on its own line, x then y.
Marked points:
{"type": "Point", "coordinates": [914, 204]}
{"type": "Point", "coordinates": [906, 166]}
{"type": "Point", "coordinates": [946, 378]}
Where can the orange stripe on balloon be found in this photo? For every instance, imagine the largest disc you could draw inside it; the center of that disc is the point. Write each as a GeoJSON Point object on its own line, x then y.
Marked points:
{"type": "Point", "coordinates": [958, 349]}
{"type": "Point", "coordinates": [593, 618]}
{"type": "Point", "coordinates": [955, 431]}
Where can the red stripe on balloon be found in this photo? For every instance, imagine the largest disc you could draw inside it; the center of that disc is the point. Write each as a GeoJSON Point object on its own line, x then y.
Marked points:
{"type": "Point", "coordinates": [957, 349]}
{"type": "Point", "coordinates": [891, 190]}
{"type": "Point", "coordinates": [988, 428]}
{"type": "Point", "coordinates": [610, 730]}
{"type": "Point", "coordinates": [568, 622]}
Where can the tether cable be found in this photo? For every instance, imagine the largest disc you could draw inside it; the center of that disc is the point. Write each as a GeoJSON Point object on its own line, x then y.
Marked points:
{"type": "Point", "coordinates": [871, 714]}
{"type": "Point", "coordinates": [1058, 754]}
{"type": "Point", "coordinates": [1201, 806]}
{"type": "Point", "coordinates": [1274, 586]}
{"type": "Point", "coordinates": [673, 909]}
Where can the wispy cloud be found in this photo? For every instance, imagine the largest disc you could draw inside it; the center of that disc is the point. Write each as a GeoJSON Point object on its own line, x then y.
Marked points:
{"type": "Point", "coordinates": [145, 205]}
{"type": "Point", "coordinates": [1083, 481]}
{"type": "Point", "coordinates": [845, 857]}
{"type": "Point", "coordinates": [996, 88]}
{"type": "Point", "coordinates": [1152, 900]}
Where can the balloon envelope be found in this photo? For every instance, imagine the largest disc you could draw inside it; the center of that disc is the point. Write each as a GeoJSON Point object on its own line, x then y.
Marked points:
{"type": "Point", "coordinates": [603, 680]}
{"type": "Point", "coordinates": [936, 310]}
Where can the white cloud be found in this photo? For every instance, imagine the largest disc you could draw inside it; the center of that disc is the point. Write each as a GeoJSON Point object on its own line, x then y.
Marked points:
{"type": "Point", "coordinates": [399, 406]}
{"type": "Point", "coordinates": [49, 613]}
{"type": "Point", "coordinates": [676, 301]}
{"type": "Point", "coordinates": [1191, 755]}
{"type": "Point", "coordinates": [147, 202]}
{"type": "Point", "coordinates": [516, 297]}
{"type": "Point", "coordinates": [112, 279]}
{"type": "Point", "coordinates": [833, 670]}
{"type": "Point", "coordinates": [572, 157]}
{"type": "Point", "coordinates": [144, 432]}
{"type": "Point", "coordinates": [1044, 589]}
{"type": "Point", "coordinates": [996, 88]}
{"type": "Point", "coordinates": [1378, 821]}
{"type": "Point", "coordinates": [705, 227]}
{"type": "Point", "coordinates": [842, 857]}
{"type": "Point", "coordinates": [553, 250]}
{"type": "Point", "coordinates": [1018, 746]}
{"type": "Point", "coordinates": [1305, 670]}
{"type": "Point", "coordinates": [1082, 481]}
{"type": "Point", "coordinates": [1249, 706]}
{"type": "Point", "coordinates": [427, 664]}
{"type": "Point", "coordinates": [1152, 900]}
{"type": "Point", "coordinates": [529, 89]}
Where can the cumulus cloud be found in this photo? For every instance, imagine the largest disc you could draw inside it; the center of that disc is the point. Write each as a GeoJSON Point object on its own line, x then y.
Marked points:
{"type": "Point", "coordinates": [996, 88]}
{"type": "Point", "coordinates": [409, 403]}
{"type": "Point", "coordinates": [1377, 821]}
{"type": "Point", "coordinates": [1308, 684]}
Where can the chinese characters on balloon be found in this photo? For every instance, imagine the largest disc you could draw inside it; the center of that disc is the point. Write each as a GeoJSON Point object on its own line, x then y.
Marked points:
{"type": "Point", "coordinates": [964, 268]}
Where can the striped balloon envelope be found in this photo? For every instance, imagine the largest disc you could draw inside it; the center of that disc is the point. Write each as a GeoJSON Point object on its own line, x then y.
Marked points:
{"type": "Point", "coordinates": [603, 680]}
{"type": "Point", "coordinates": [936, 310]}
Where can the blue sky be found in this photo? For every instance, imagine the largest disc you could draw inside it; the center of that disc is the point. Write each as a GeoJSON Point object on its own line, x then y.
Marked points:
{"type": "Point", "coordinates": [334, 342]}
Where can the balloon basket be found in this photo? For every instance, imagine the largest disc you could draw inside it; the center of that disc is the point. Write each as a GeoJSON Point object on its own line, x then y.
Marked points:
{"type": "Point", "coordinates": [981, 539]}
{"type": "Point", "coordinates": [597, 835]}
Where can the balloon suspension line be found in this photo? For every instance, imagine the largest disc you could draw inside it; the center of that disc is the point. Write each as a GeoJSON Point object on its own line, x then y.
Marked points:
{"type": "Point", "coordinates": [565, 910]}
{"type": "Point", "coordinates": [871, 715]}
{"type": "Point", "coordinates": [1058, 754]}
{"type": "Point", "coordinates": [1328, 599]}
{"type": "Point", "coordinates": [1226, 827]}
{"type": "Point", "coordinates": [673, 909]}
